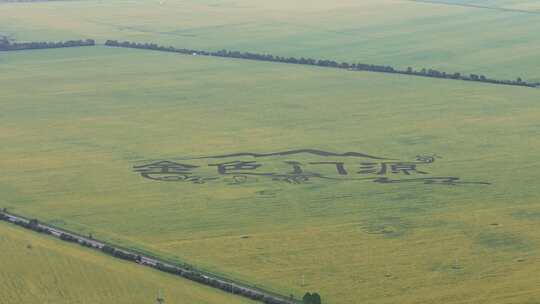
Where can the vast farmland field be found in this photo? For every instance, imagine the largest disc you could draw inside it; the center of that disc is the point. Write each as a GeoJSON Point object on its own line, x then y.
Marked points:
{"type": "Point", "coordinates": [91, 114]}
{"type": "Point", "coordinates": [41, 270]}
{"type": "Point", "coordinates": [364, 187]}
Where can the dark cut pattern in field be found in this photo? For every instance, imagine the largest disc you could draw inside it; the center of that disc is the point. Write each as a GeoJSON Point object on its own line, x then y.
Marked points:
{"type": "Point", "coordinates": [292, 152]}
{"type": "Point", "coordinates": [241, 168]}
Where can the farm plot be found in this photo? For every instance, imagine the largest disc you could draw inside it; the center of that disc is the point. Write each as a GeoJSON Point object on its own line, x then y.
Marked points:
{"type": "Point", "coordinates": [243, 168]}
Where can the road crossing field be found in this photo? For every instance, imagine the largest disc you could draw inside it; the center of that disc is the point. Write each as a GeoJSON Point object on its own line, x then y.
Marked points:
{"type": "Point", "coordinates": [37, 269]}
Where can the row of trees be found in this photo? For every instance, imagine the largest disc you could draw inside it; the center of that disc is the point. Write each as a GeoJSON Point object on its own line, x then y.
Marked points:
{"type": "Point", "coordinates": [311, 298]}
{"type": "Point", "coordinates": [186, 272]}
{"type": "Point", "coordinates": [199, 277]}
{"type": "Point", "coordinates": [324, 63]}
{"type": "Point", "coordinates": [68, 238]}
{"type": "Point", "coordinates": [196, 276]}
{"type": "Point", "coordinates": [32, 225]}
{"type": "Point", "coordinates": [121, 254]}
{"type": "Point", "coordinates": [6, 45]}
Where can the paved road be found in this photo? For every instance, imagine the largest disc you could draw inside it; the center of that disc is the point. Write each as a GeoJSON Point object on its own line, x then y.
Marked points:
{"type": "Point", "coordinates": [144, 259]}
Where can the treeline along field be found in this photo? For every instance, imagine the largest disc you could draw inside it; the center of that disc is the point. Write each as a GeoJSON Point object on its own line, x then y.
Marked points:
{"type": "Point", "coordinates": [399, 33]}
{"type": "Point", "coordinates": [326, 63]}
{"type": "Point", "coordinates": [5, 45]}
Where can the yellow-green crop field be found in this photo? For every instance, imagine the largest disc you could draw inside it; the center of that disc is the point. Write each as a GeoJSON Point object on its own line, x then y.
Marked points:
{"type": "Point", "coordinates": [75, 122]}
{"type": "Point", "coordinates": [37, 269]}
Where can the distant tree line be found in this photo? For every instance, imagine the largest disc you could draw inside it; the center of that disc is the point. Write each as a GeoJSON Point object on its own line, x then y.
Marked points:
{"type": "Point", "coordinates": [6, 45]}
{"type": "Point", "coordinates": [324, 63]}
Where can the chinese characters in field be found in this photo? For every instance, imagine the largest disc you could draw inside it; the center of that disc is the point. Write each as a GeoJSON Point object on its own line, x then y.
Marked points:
{"type": "Point", "coordinates": [297, 167]}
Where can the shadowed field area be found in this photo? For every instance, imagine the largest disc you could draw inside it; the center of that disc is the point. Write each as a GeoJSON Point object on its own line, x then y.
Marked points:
{"type": "Point", "coordinates": [38, 269]}
{"type": "Point", "coordinates": [71, 141]}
